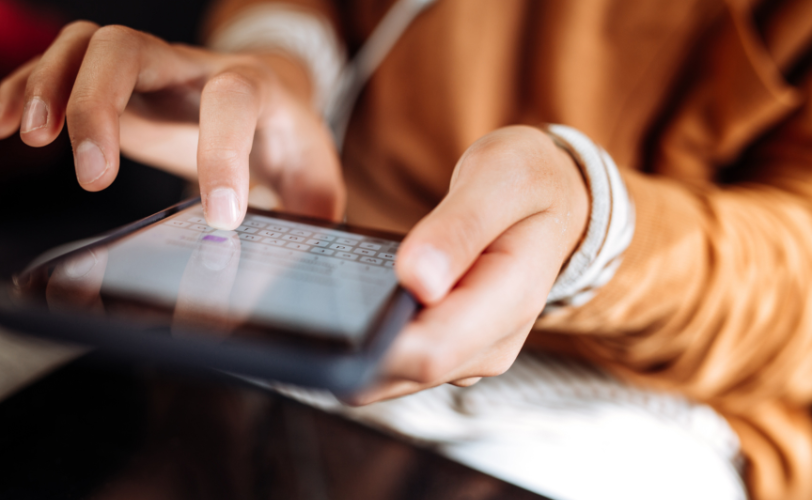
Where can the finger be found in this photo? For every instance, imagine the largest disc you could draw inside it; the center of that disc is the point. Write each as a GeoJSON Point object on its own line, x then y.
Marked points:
{"type": "Point", "coordinates": [12, 89]}
{"type": "Point", "coordinates": [502, 179]}
{"type": "Point", "coordinates": [50, 83]}
{"type": "Point", "coordinates": [305, 168]}
{"type": "Point", "coordinates": [397, 388]}
{"type": "Point", "coordinates": [117, 62]}
{"type": "Point", "coordinates": [479, 328]}
{"type": "Point", "coordinates": [381, 391]}
{"type": "Point", "coordinates": [229, 108]}
{"type": "Point", "coordinates": [466, 382]}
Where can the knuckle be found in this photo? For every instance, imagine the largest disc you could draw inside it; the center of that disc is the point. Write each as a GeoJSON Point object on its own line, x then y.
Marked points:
{"type": "Point", "coordinates": [220, 155]}
{"type": "Point", "coordinates": [81, 104]}
{"type": "Point", "coordinates": [230, 82]}
{"type": "Point", "coordinates": [77, 27]}
{"type": "Point", "coordinates": [116, 35]}
{"type": "Point", "coordinates": [433, 365]}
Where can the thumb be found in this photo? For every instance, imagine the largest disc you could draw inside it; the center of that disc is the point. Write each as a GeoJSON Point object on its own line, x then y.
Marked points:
{"type": "Point", "coordinates": [502, 179]}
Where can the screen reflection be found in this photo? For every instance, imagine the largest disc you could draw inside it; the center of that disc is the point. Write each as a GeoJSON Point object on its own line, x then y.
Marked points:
{"type": "Point", "coordinates": [269, 273]}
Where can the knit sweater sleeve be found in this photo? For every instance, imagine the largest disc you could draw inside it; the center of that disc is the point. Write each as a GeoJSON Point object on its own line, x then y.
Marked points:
{"type": "Point", "coordinates": [713, 298]}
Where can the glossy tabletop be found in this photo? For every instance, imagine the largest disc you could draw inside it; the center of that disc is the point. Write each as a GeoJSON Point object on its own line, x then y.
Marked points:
{"type": "Point", "coordinates": [98, 430]}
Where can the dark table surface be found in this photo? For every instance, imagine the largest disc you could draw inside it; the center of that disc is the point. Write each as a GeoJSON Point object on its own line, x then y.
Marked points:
{"type": "Point", "coordinates": [97, 430]}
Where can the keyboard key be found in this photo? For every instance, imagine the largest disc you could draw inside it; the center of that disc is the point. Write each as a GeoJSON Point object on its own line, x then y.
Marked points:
{"type": "Point", "coordinates": [318, 243]}
{"type": "Point", "coordinates": [254, 223]}
{"type": "Point", "coordinates": [347, 241]}
{"type": "Point", "coordinates": [298, 246]}
{"type": "Point", "coordinates": [177, 223]}
{"type": "Point", "coordinates": [387, 256]}
{"type": "Point", "coordinates": [371, 260]}
{"type": "Point", "coordinates": [201, 227]}
{"type": "Point", "coordinates": [322, 251]}
{"type": "Point", "coordinates": [270, 234]}
{"type": "Point", "coordinates": [246, 229]}
{"type": "Point", "coordinates": [370, 246]}
{"type": "Point", "coordinates": [197, 220]}
{"type": "Point", "coordinates": [299, 232]}
{"type": "Point", "coordinates": [341, 248]}
{"type": "Point", "coordinates": [250, 237]}
{"type": "Point", "coordinates": [279, 229]}
{"type": "Point", "coordinates": [274, 241]}
{"type": "Point", "coordinates": [290, 237]}
{"type": "Point", "coordinates": [389, 263]}
{"type": "Point", "coordinates": [324, 237]}
{"type": "Point", "coordinates": [364, 251]}
{"type": "Point", "coordinates": [345, 255]}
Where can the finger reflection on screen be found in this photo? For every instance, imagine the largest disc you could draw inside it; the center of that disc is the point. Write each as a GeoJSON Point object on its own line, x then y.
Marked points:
{"type": "Point", "coordinates": [205, 287]}
{"type": "Point", "coordinates": [218, 291]}
{"type": "Point", "coordinates": [77, 280]}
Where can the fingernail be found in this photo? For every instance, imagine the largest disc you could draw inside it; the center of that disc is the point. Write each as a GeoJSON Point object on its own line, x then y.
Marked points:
{"type": "Point", "coordinates": [222, 209]}
{"type": "Point", "coordinates": [432, 268]}
{"type": "Point", "coordinates": [216, 252]}
{"type": "Point", "coordinates": [35, 115]}
{"type": "Point", "coordinates": [90, 162]}
{"type": "Point", "coordinates": [79, 265]}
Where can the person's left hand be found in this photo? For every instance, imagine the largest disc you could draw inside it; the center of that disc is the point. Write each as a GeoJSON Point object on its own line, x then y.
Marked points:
{"type": "Point", "coordinates": [484, 260]}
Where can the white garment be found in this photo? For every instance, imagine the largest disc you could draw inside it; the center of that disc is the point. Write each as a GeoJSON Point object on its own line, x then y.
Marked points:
{"type": "Point", "coordinates": [565, 430]}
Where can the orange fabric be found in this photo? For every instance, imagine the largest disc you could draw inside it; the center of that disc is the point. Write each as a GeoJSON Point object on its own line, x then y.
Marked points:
{"type": "Point", "coordinates": [704, 105]}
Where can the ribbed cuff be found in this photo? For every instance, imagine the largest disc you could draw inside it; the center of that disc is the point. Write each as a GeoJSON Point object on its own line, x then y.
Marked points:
{"type": "Point", "coordinates": [610, 228]}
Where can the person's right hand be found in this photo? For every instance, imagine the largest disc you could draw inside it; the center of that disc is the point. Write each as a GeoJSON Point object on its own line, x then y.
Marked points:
{"type": "Point", "coordinates": [181, 108]}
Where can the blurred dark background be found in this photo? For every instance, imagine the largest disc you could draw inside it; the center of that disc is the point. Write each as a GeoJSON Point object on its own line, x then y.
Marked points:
{"type": "Point", "coordinates": [41, 203]}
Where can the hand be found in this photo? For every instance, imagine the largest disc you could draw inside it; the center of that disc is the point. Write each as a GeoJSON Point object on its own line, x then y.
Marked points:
{"type": "Point", "coordinates": [484, 261]}
{"type": "Point", "coordinates": [185, 109]}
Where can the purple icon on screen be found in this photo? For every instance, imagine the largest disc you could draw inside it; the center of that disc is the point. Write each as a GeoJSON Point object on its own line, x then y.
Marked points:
{"type": "Point", "coordinates": [211, 237]}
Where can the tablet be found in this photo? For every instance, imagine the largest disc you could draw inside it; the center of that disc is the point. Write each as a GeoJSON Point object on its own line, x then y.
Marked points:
{"type": "Point", "coordinates": [281, 297]}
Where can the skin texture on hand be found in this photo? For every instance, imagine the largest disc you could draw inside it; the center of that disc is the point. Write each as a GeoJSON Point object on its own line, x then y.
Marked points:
{"type": "Point", "coordinates": [484, 261]}
{"type": "Point", "coordinates": [191, 111]}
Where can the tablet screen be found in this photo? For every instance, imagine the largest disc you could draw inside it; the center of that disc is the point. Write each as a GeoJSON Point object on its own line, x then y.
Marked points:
{"type": "Point", "coordinates": [270, 272]}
